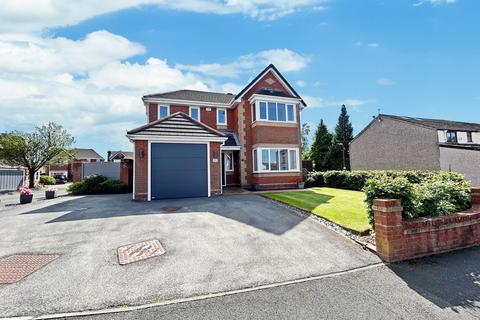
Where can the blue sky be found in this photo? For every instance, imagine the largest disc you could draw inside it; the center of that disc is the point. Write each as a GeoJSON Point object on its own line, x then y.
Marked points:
{"type": "Point", "coordinates": [88, 66]}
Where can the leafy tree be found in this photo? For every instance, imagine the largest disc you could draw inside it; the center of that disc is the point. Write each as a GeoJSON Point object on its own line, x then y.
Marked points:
{"type": "Point", "coordinates": [344, 135]}
{"type": "Point", "coordinates": [48, 143]}
{"type": "Point", "coordinates": [320, 147]}
{"type": "Point", "coordinates": [334, 158]}
{"type": "Point", "coordinates": [305, 147]}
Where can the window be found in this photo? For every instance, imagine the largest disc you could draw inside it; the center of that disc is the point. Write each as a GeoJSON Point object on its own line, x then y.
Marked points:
{"type": "Point", "coordinates": [228, 160]}
{"type": "Point", "coordinates": [221, 116]}
{"type": "Point", "coordinates": [290, 112]}
{"type": "Point", "coordinates": [163, 111]}
{"type": "Point", "coordinates": [275, 160]}
{"type": "Point", "coordinates": [265, 160]}
{"type": "Point", "coordinates": [195, 113]}
{"type": "Point", "coordinates": [452, 136]}
{"type": "Point", "coordinates": [273, 111]}
{"type": "Point", "coordinates": [469, 137]}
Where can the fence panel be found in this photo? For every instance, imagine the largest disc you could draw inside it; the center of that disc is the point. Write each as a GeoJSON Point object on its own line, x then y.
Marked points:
{"type": "Point", "coordinates": [110, 170]}
{"type": "Point", "coordinates": [10, 179]}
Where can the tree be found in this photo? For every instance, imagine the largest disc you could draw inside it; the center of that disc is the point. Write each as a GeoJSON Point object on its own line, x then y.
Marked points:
{"type": "Point", "coordinates": [320, 146]}
{"type": "Point", "coordinates": [305, 147]}
{"type": "Point", "coordinates": [334, 158]}
{"type": "Point", "coordinates": [34, 150]}
{"type": "Point", "coordinates": [344, 135]}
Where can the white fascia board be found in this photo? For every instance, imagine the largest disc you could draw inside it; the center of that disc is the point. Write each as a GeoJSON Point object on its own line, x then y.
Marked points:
{"type": "Point", "coordinates": [261, 97]}
{"type": "Point", "coordinates": [261, 77]}
{"type": "Point", "coordinates": [230, 147]}
{"type": "Point", "coordinates": [146, 101]}
{"type": "Point", "coordinates": [175, 139]}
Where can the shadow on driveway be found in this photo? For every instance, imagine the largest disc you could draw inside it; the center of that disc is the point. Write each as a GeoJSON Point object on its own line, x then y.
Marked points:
{"type": "Point", "coordinates": [252, 210]}
{"type": "Point", "coordinates": [449, 280]}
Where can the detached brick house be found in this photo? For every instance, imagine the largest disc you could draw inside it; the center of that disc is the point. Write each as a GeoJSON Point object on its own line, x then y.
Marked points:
{"type": "Point", "coordinates": [196, 143]}
{"type": "Point", "coordinates": [406, 143]}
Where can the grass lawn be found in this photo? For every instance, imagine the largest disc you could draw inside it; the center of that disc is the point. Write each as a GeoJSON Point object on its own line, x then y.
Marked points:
{"type": "Point", "coordinates": [343, 207]}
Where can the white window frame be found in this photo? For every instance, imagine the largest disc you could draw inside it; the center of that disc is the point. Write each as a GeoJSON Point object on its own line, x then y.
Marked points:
{"type": "Point", "coordinates": [259, 160]}
{"type": "Point", "coordinates": [220, 123]}
{"type": "Point", "coordinates": [190, 112]}
{"type": "Point", "coordinates": [257, 111]}
{"type": "Point", "coordinates": [158, 110]}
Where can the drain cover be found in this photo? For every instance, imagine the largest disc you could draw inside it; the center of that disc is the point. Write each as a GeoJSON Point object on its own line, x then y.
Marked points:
{"type": "Point", "coordinates": [15, 268]}
{"type": "Point", "coordinates": [139, 251]}
{"type": "Point", "coordinates": [170, 209]}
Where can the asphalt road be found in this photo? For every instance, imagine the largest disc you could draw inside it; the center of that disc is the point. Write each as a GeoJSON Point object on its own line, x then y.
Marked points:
{"type": "Point", "coordinates": [442, 287]}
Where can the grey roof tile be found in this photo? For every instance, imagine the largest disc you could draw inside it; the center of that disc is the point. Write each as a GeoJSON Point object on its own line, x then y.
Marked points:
{"type": "Point", "coordinates": [86, 154]}
{"type": "Point", "coordinates": [194, 95]}
{"type": "Point", "coordinates": [437, 123]}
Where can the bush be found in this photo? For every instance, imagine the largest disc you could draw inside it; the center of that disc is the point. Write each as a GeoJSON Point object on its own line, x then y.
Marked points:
{"type": "Point", "coordinates": [97, 184]}
{"type": "Point", "coordinates": [435, 193]}
{"type": "Point", "coordinates": [47, 180]}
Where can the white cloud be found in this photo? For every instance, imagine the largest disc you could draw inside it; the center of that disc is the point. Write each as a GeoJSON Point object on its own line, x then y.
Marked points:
{"type": "Point", "coordinates": [36, 15]}
{"type": "Point", "coordinates": [89, 86]}
{"type": "Point", "coordinates": [301, 83]}
{"type": "Point", "coordinates": [318, 102]}
{"type": "Point", "coordinates": [373, 45]}
{"type": "Point", "coordinates": [284, 59]}
{"type": "Point", "coordinates": [434, 2]}
{"type": "Point", "coordinates": [385, 82]}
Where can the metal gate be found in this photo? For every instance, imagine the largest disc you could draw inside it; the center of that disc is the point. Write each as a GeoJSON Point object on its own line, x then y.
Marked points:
{"type": "Point", "coordinates": [11, 179]}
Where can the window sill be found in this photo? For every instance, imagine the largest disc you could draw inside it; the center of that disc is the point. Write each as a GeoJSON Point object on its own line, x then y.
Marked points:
{"type": "Point", "coordinates": [274, 124]}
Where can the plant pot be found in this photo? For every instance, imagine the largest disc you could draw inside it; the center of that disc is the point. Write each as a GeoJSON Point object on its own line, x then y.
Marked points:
{"type": "Point", "coordinates": [26, 198]}
{"type": "Point", "coordinates": [50, 194]}
{"type": "Point", "coordinates": [301, 185]}
{"type": "Point", "coordinates": [256, 187]}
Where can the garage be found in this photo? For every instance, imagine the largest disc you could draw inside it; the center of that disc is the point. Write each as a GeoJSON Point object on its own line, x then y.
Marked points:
{"type": "Point", "coordinates": [176, 157]}
{"type": "Point", "coordinates": [179, 170]}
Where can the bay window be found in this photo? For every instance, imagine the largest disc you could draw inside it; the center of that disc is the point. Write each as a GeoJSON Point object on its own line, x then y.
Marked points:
{"type": "Point", "coordinates": [275, 160]}
{"type": "Point", "coordinates": [274, 111]}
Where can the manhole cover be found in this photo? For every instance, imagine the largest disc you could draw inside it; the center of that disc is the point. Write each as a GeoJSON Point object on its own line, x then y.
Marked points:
{"type": "Point", "coordinates": [15, 268]}
{"type": "Point", "coordinates": [139, 251]}
{"type": "Point", "coordinates": [170, 209]}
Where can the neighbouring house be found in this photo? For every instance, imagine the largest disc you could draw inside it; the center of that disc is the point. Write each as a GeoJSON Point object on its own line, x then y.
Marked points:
{"type": "Point", "coordinates": [406, 143]}
{"type": "Point", "coordinates": [196, 143]}
{"type": "Point", "coordinates": [72, 169]}
{"type": "Point", "coordinates": [118, 156]}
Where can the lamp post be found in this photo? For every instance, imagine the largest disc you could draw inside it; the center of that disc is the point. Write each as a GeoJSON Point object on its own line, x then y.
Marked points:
{"type": "Point", "coordinates": [343, 155]}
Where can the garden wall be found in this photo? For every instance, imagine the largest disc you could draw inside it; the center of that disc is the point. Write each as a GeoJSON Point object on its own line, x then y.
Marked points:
{"type": "Point", "coordinates": [398, 240]}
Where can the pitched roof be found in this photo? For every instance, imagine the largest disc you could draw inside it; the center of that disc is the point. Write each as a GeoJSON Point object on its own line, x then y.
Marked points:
{"type": "Point", "coordinates": [86, 154]}
{"type": "Point", "coordinates": [437, 124]}
{"type": "Point", "coordinates": [113, 154]}
{"type": "Point", "coordinates": [177, 124]}
{"type": "Point", "coordinates": [232, 140]}
{"type": "Point", "coordinates": [194, 95]}
{"type": "Point", "coordinates": [261, 74]}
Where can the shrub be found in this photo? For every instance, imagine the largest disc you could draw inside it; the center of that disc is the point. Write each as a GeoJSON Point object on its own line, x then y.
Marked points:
{"type": "Point", "coordinates": [314, 179]}
{"type": "Point", "coordinates": [97, 184]}
{"type": "Point", "coordinates": [435, 193]}
{"type": "Point", "coordinates": [47, 180]}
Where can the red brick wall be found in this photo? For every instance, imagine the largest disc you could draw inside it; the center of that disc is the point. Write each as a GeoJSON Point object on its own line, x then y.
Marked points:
{"type": "Point", "coordinates": [278, 134]}
{"type": "Point", "coordinates": [152, 112]}
{"type": "Point", "coordinates": [215, 173]}
{"type": "Point", "coordinates": [126, 173]}
{"type": "Point", "coordinates": [179, 108]}
{"type": "Point", "coordinates": [398, 240]}
{"type": "Point", "coordinates": [209, 117]}
{"type": "Point", "coordinates": [141, 170]}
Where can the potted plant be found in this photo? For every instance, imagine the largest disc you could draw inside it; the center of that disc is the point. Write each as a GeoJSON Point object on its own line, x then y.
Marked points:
{"type": "Point", "coordinates": [49, 193]}
{"type": "Point", "coordinates": [26, 195]}
{"type": "Point", "coordinates": [300, 183]}
{"type": "Point", "coordinates": [256, 187]}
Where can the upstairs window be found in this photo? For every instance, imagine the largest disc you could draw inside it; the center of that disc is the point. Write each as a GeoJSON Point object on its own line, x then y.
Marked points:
{"type": "Point", "coordinates": [221, 116]}
{"type": "Point", "coordinates": [195, 113]}
{"type": "Point", "coordinates": [274, 111]}
{"type": "Point", "coordinates": [452, 136]}
{"type": "Point", "coordinates": [163, 111]}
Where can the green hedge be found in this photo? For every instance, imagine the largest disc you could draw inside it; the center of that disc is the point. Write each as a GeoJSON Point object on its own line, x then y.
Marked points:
{"type": "Point", "coordinates": [436, 194]}
{"type": "Point", "coordinates": [356, 180]}
{"type": "Point", "coordinates": [97, 184]}
{"type": "Point", "coordinates": [47, 180]}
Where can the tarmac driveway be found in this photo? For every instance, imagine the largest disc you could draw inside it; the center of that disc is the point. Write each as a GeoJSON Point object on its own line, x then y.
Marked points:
{"type": "Point", "coordinates": [212, 245]}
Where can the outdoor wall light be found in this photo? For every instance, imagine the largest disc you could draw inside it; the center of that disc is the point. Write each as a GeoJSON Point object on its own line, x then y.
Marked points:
{"type": "Point", "coordinates": [142, 153]}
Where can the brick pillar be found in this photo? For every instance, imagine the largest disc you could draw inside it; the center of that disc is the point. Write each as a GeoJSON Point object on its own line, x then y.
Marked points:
{"type": "Point", "coordinates": [389, 230]}
{"type": "Point", "coordinates": [475, 196]}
